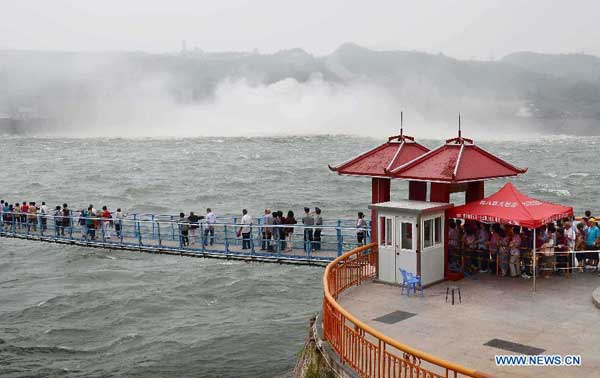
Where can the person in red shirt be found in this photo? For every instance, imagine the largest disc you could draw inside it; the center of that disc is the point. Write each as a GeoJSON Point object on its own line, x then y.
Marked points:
{"type": "Point", "coordinates": [24, 211]}
{"type": "Point", "coordinates": [106, 219]}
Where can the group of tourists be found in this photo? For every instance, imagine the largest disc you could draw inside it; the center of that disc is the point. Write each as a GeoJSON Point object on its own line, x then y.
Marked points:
{"type": "Point", "coordinates": [507, 250]}
{"type": "Point", "coordinates": [34, 216]}
{"type": "Point", "coordinates": [277, 227]}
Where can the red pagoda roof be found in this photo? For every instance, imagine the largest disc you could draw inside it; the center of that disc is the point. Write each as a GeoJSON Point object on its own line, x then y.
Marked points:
{"type": "Point", "coordinates": [457, 161]}
{"type": "Point", "coordinates": [397, 151]}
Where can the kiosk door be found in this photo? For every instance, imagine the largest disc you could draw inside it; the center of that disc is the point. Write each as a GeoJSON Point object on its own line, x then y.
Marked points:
{"type": "Point", "coordinates": [387, 251]}
{"type": "Point", "coordinates": [406, 246]}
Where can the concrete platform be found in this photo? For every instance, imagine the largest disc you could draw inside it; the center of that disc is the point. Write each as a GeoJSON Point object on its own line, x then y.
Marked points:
{"type": "Point", "coordinates": [559, 319]}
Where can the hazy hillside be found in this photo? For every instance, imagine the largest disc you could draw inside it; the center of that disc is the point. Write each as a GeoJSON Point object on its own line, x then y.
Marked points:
{"type": "Point", "coordinates": [553, 93]}
{"type": "Point", "coordinates": [569, 66]}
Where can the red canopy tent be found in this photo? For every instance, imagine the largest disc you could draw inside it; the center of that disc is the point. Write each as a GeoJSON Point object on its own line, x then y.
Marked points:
{"type": "Point", "coordinates": [509, 206]}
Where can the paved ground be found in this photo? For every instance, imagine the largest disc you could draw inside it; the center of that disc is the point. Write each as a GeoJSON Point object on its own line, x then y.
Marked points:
{"type": "Point", "coordinates": [560, 318]}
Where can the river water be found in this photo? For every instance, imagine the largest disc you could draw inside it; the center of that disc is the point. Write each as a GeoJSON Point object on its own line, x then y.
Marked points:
{"type": "Point", "coordinates": [77, 312]}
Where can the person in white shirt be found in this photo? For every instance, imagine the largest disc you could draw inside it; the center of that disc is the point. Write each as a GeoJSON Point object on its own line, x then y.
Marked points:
{"type": "Point", "coordinates": [211, 219]}
{"type": "Point", "coordinates": [267, 231]}
{"type": "Point", "coordinates": [361, 225]}
{"type": "Point", "coordinates": [570, 234]}
{"type": "Point", "coordinates": [245, 230]}
{"type": "Point", "coordinates": [118, 221]}
{"type": "Point", "coordinates": [43, 214]}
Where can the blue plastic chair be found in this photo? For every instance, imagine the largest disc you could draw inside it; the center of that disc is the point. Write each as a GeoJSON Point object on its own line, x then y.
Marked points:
{"type": "Point", "coordinates": [409, 281]}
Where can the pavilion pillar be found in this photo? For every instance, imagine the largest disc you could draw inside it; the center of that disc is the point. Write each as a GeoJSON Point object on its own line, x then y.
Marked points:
{"type": "Point", "coordinates": [475, 191]}
{"type": "Point", "coordinates": [440, 192]}
{"type": "Point", "coordinates": [380, 192]}
{"type": "Point", "coordinates": [417, 191]}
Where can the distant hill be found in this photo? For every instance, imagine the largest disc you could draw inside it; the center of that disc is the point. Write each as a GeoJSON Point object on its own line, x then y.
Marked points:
{"type": "Point", "coordinates": [577, 67]}
{"type": "Point", "coordinates": [552, 93]}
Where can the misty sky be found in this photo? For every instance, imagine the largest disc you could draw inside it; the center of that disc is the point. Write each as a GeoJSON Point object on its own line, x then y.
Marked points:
{"type": "Point", "coordinates": [463, 29]}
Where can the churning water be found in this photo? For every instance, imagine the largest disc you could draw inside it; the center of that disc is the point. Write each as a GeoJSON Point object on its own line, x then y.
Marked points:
{"type": "Point", "coordinates": [76, 312]}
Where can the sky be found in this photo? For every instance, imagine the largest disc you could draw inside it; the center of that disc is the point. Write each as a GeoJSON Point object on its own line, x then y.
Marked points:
{"type": "Point", "coordinates": [466, 29]}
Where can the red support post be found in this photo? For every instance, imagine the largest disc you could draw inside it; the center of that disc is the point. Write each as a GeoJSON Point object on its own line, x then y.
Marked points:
{"type": "Point", "coordinates": [440, 192]}
{"type": "Point", "coordinates": [380, 192]}
{"type": "Point", "coordinates": [417, 190]}
{"type": "Point", "coordinates": [475, 191]}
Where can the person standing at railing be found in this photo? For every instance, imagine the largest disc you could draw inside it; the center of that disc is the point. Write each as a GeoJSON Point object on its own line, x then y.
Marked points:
{"type": "Point", "coordinates": [66, 219]}
{"type": "Point", "coordinates": [279, 232]}
{"type": "Point", "coordinates": [193, 219]}
{"type": "Point", "coordinates": [267, 232]}
{"type": "Point", "coordinates": [308, 220]}
{"type": "Point", "coordinates": [361, 225]}
{"type": "Point", "coordinates": [10, 216]}
{"type": "Point", "coordinates": [245, 229]}
{"type": "Point", "coordinates": [317, 233]}
{"type": "Point", "coordinates": [43, 213]}
{"type": "Point", "coordinates": [58, 221]}
{"type": "Point", "coordinates": [90, 222]}
{"type": "Point", "coordinates": [32, 216]}
{"type": "Point", "coordinates": [211, 219]}
{"type": "Point", "coordinates": [592, 242]}
{"type": "Point", "coordinates": [184, 227]}
{"type": "Point", "coordinates": [106, 219]}
{"type": "Point", "coordinates": [118, 221]}
{"type": "Point", "coordinates": [289, 231]}
{"type": "Point", "coordinates": [7, 214]}
{"type": "Point", "coordinates": [81, 222]}
{"type": "Point", "coordinates": [24, 212]}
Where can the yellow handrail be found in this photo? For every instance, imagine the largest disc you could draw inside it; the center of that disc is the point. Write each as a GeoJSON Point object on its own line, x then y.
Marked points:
{"type": "Point", "coordinates": [379, 336]}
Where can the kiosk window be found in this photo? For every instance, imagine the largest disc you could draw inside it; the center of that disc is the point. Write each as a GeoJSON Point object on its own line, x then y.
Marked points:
{"type": "Point", "coordinates": [382, 232]}
{"type": "Point", "coordinates": [388, 231]}
{"type": "Point", "coordinates": [438, 230]}
{"type": "Point", "coordinates": [385, 225]}
{"type": "Point", "coordinates": [428, 233]}
{"type": "Point", "coordinates": [432, 232]}
{"type": "Point", "coordinates": [407, 237]}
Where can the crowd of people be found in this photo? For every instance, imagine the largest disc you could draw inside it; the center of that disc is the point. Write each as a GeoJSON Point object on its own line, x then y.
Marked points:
{"type": "Point", "coordinates": [33, 216]}
{"type": "Point", "coordinates": [275, 235]}
{"type": "Point", "coordinates": [507, 250]}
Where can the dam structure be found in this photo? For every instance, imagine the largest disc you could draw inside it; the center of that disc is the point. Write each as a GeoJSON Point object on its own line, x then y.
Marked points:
{"type": "Point", "coordinates": [166, 234]}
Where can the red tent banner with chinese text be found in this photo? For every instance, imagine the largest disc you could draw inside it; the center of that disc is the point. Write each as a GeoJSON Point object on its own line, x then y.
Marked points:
{"type": "Point", "coordinates": [509, 206]}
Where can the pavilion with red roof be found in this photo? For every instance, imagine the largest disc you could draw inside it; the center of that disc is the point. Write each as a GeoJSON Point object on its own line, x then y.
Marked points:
{"type": "Point", "coordinates": [377, 162]}
{"type": "Point", "coordinates": [456, 166]}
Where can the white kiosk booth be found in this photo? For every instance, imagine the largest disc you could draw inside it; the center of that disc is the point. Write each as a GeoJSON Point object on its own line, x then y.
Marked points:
{"type": "Point", "coordinates": [411, 236]}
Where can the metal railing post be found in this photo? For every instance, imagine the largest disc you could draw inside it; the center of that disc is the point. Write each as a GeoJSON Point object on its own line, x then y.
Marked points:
{"type": "Point", "coordinates": [135, 231]}
{"type": "Point", "coordinates": [202, 238]}
{"type": "Point", "coordinates": [153, 233]}
{"type": "Point", "coordinates": [158, 233]}
{"type": "Point", "coordinates": [340, 238]}
{"type": "Point", "coordinates": [70, 227]}
{"type": "Point", "coordinates": [172, 228]}
{"type": "Point", "coordinates": [226, 238]}
{"type": "Point", "coordinates": [180, 236]}
{"type": "Point", "coordinates": [262, 241]}
{"type": "Point", "coordinates": [234, 220]}
{"type": "Point", "coordinates": [139, 233]}
{"type": "Point", "coordinates": [251, 241]}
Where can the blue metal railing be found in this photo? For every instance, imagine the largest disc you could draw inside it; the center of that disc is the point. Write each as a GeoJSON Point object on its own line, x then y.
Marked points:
{"type": "Point", "coordinates": [166, 232]}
